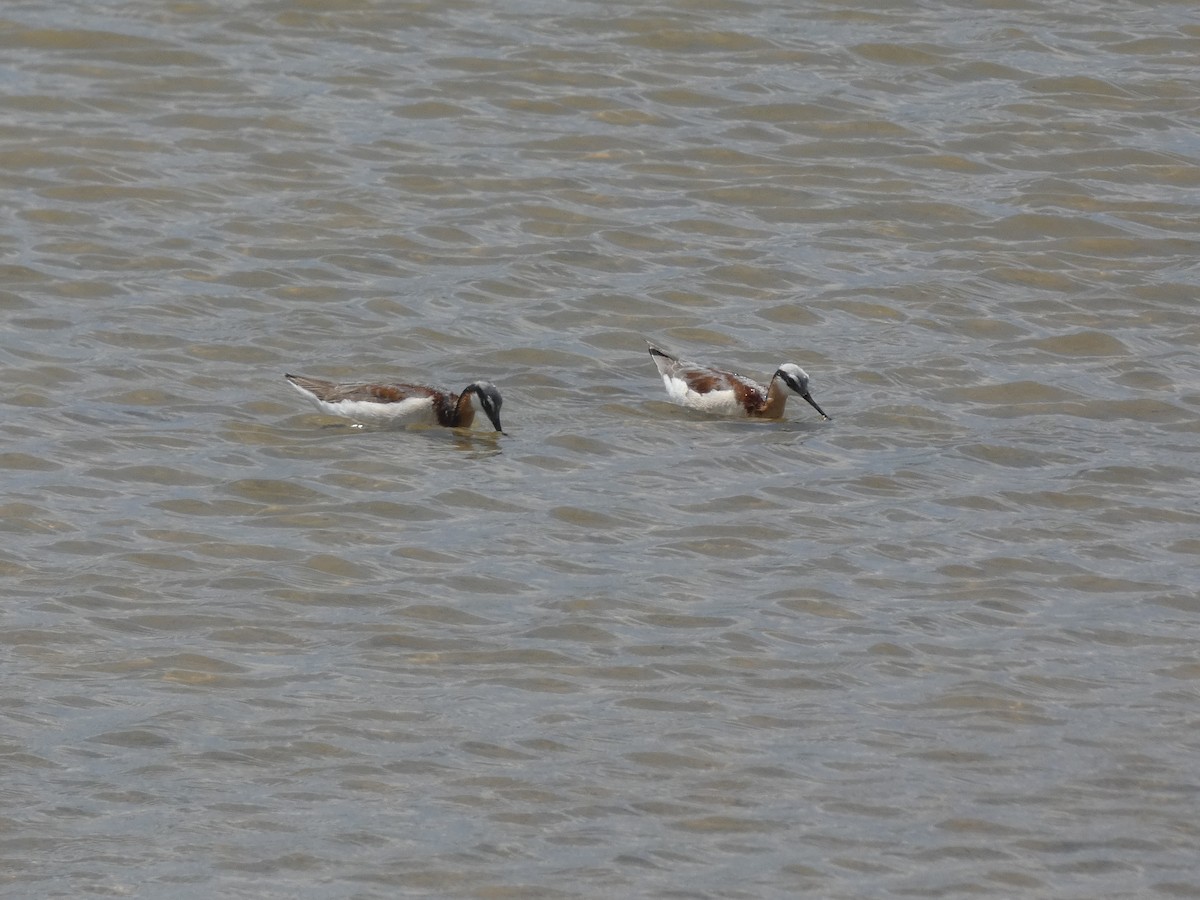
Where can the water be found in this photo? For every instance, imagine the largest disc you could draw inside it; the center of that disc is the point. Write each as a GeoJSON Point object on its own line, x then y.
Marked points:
{"type": "Point", "coordinates": [943, 645]}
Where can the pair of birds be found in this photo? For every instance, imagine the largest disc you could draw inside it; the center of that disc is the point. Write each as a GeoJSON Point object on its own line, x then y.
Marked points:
{"type": "Point", "coordinates": [688, 384]}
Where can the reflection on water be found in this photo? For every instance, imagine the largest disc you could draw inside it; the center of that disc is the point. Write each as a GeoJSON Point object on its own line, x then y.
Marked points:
{"type": "Point", "coordinates": [940, 644]}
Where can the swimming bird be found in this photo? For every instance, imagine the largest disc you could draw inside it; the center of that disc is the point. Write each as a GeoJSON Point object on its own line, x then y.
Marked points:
{"type": "Point", "coordinates": [408, 404]}
{"type": "Point", "coordinates": [728, 393]}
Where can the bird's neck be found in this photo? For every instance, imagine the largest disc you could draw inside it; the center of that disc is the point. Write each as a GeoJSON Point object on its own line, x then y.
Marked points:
{"type": "Point", "coordinates": [777, 394]}
{"type": "Point", "coordinates": [464, 410]}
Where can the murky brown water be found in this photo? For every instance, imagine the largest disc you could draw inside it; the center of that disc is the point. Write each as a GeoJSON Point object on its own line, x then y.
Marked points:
{"type": "Point", "coordinates": [944, 645]}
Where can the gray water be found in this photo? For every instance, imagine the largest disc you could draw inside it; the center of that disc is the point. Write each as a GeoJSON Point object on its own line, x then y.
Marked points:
{"type": "Point", "coordinates": [944, 645]}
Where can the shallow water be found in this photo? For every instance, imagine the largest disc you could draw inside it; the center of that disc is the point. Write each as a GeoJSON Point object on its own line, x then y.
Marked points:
{"type": "Point", "coordinates": [945, 644]}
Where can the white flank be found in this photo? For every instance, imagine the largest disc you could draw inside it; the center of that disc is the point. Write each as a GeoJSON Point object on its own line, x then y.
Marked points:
{"type": "Point", "coordinates": [414, 410]}
{"type": "Point", "coordinates": [719, 403]}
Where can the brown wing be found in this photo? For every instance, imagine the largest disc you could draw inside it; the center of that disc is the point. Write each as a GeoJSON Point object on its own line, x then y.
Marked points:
{"type": "Point", "coordinates": [703, 380]}
{"type": "Point", "coordinates": [700, 379]}
{"type": "Point", "coordinates": [749, 393]}
{"type": "Point", "coordinates": [382, 393]}
{"type": "Point", "coordinates": [378, 393]}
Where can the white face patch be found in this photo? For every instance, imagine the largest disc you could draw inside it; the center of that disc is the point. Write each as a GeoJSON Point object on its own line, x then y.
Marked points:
{"type": "Point", "coordinates": [797, 374]}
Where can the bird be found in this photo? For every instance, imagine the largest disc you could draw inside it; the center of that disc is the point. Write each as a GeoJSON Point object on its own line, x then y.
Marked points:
{"type": "Point", "coordinates": [728, 393]}
{"type": "Point", "coordinates": [408, 404]}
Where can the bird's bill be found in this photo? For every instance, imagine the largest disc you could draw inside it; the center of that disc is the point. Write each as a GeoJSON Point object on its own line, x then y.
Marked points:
{"type": "Point", "coordinates": [813, 404]}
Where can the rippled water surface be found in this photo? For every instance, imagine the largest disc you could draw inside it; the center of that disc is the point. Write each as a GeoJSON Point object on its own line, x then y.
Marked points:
{"type": "Point", "coordinates": [943, 645]}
